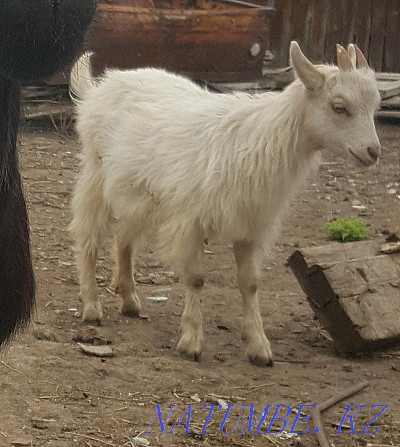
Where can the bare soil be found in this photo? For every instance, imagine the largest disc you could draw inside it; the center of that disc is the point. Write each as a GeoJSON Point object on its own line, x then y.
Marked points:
{"type": "Point", "coordinates": [52, 394]}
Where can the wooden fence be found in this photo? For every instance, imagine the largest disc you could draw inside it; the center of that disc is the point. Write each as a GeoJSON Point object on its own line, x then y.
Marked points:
{"type": "Point", "coordinates": [319, 24]}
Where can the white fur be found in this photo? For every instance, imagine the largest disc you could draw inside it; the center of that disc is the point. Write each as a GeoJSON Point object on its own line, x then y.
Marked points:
{"type": "Point", "coordinates": [162, 154]}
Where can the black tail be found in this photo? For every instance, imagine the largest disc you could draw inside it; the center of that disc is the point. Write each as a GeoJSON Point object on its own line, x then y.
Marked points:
{"type": "Point", "coordinates": [17, 285]}
{"type": "Point", "coordinates": [37, 39]}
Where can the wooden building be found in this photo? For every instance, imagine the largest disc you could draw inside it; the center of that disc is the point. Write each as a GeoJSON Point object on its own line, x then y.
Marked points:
{"type": "Point", "coordinates": [319, 24]}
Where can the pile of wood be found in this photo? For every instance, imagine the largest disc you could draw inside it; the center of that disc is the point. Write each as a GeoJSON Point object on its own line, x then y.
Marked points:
{"type": "Point", "coordinates": [47, 102]}
{"type": "Point", "coordinates": [389, 88]}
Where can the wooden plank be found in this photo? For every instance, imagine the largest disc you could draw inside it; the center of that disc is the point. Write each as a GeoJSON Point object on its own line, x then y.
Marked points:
{"type": "Point", "coordinates": [319, 17]}
{"type": "Point", "coordinates": [378, 34]}
{"type": "Point", "coordinates": [387, 76]}
{"type": "Point", "coordinates": [362, 28]}
{"type": "Point", "coordinates": [392, 42]}
{"type": "Point", "coordinates": [391, 114]}
{"type": "Point", "coordinates": [335, 29]}
{"type": "Point", "coordinates": [281, 33]}
{"type": "Point", "coordinates": [300, 23]}
{"type": "Point", "coordinates": [354, 290]}
{"type": "Point", "coordinates": [349, 20]}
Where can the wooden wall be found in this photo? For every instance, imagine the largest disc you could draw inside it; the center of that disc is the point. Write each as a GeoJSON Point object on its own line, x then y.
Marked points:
{"type": "Point", "coordinates": [319, 24]}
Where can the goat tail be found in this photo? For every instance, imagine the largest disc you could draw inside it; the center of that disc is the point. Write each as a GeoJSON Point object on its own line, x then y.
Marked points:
{"type": "Point", "coordinates": [81, 78]}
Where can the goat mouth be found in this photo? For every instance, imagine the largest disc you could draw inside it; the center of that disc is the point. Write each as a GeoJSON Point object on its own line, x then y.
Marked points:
{"type": "Point", "coordinates": [359, 159]}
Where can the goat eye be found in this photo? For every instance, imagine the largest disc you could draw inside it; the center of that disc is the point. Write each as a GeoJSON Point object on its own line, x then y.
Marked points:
{"type": "Point", "coordinates": [339, 108]}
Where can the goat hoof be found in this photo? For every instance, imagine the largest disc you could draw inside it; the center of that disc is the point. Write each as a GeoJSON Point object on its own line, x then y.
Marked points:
{"type": "Point", "coordinates": [193, 356]}
{"type": "Point", "coordinates": [131, 313]}
{"type": "Point", "coordinates": [92, 313]}
{"type": "Point", "coordinates": [187, 350]}
{"type": "Point", "coordinates": [131, 308]}
{"type": "Point", "coordinates": [260, 355]}
{"type": "Point", "coordinates": [261, 361]}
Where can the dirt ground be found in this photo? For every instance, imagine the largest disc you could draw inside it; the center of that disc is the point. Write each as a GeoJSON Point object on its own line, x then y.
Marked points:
{"type": "Point", "coordinates": [52, 394]}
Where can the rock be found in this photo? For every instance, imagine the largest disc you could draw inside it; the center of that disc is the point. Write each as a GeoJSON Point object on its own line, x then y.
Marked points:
{"type": "Point", "coordinates": [157, 366]}
{"type": "Point", "coordinates": [45, 334]}
{"type": "Point", "coordinates": [159, 280]}
{"type": "Point", "coordinates": [97, 351]}
{"type": "Point", "coordinates": [90, 335]}
{"type": "Point", "coordinates": [141, 279]}
{"type": "Point", "coordinates": [157, 299]}
{"type": "Point", "coordinates": [21, 442]}
{"type": "Point", "coordinates": [85, 335]}
{"type": "Point", "coordinates": [195, 397]}
{"type": "Point", "coordinates": [141, 441]}
{"type": "Point", "coordinates": [41, 424]}
{"type": "Point", "coordinates": [223, 404]}
{"type": "Point", "coordinates": [347, 368]}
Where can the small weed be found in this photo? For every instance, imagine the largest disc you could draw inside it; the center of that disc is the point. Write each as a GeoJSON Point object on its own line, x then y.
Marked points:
{"type": "Point", "coordinates": [347, 230]}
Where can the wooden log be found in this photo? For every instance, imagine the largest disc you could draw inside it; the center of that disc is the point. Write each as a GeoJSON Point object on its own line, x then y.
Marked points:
{"type": "Point", "coordinates": [221, 44]}
{"type": "Point", "coordinates": [354, 291]}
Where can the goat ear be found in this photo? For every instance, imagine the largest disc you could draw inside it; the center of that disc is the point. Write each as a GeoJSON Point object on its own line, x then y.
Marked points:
{"type": "Point", "coordinates": [351, 49]}
{"type": "Point", "coordinates": [308, 74]}
{"type": "Point", "coordinates": [361, 60]}
{"type": "Point", "coordinates": [343, 59]}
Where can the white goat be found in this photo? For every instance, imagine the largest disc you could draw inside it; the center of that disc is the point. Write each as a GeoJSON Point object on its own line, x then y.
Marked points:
{"type": "Point", "coordinates": [161, 152]}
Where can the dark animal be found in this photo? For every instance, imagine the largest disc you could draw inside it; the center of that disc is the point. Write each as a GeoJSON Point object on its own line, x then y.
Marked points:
{"type": "Point", "coordinates": [37, 39]}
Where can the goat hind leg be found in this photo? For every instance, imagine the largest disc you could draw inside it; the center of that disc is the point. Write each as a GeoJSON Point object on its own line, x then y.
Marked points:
{"type": "Point", "coordinates": [124, 281]}
{"type": "Point", "coordinates": [88, 224]}
{"type": "Point", "coordinates": [191, 341]}
{"type": "Point", "coordinates": [92, 311]}
{"type": "Point", "coordinates": [258, 349]}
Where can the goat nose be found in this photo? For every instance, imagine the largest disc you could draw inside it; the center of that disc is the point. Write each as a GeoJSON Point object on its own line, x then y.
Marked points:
{"type": "Point", "coordinates": [374, 151]}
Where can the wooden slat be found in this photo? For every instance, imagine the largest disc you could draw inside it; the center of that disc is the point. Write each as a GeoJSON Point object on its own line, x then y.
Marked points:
{"type": "Point", "coordinates": [362, 27]}
{"type": "Point", "coordinates": [392, 42]}
{"type": "Point", "coordinates": [333, 30]}
{"type": "Point", "coordinates": [300, 23]}
{"type": "Point", "coordinates": [319, 11]}
{"type": "Point", "coordinates": [349, 20]}
{"type": "Point", "coordinates": [378, 33]}
{"type": "Point", "coordinates": [281, 33]}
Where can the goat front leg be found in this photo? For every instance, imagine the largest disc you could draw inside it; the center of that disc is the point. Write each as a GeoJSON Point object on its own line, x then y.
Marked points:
{"type": "Point", "coordinates": [191, 342]}
{"type": "Point", "coordinates": [258, 349]}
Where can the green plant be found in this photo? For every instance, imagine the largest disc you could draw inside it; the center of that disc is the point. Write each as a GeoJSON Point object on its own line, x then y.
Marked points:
{"type": "Point", "coordinates": [347, 230]}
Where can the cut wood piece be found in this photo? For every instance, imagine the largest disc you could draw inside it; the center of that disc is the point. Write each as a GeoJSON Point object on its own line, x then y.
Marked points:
{"type": "Point", "coordinates": [388, 89]}
{"type": "Point", "coordinates": [354, 290]}
{"type": "Point", "coordinates": [392, 114]}
{"type": "Point", "coordinates": [383, 76]}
